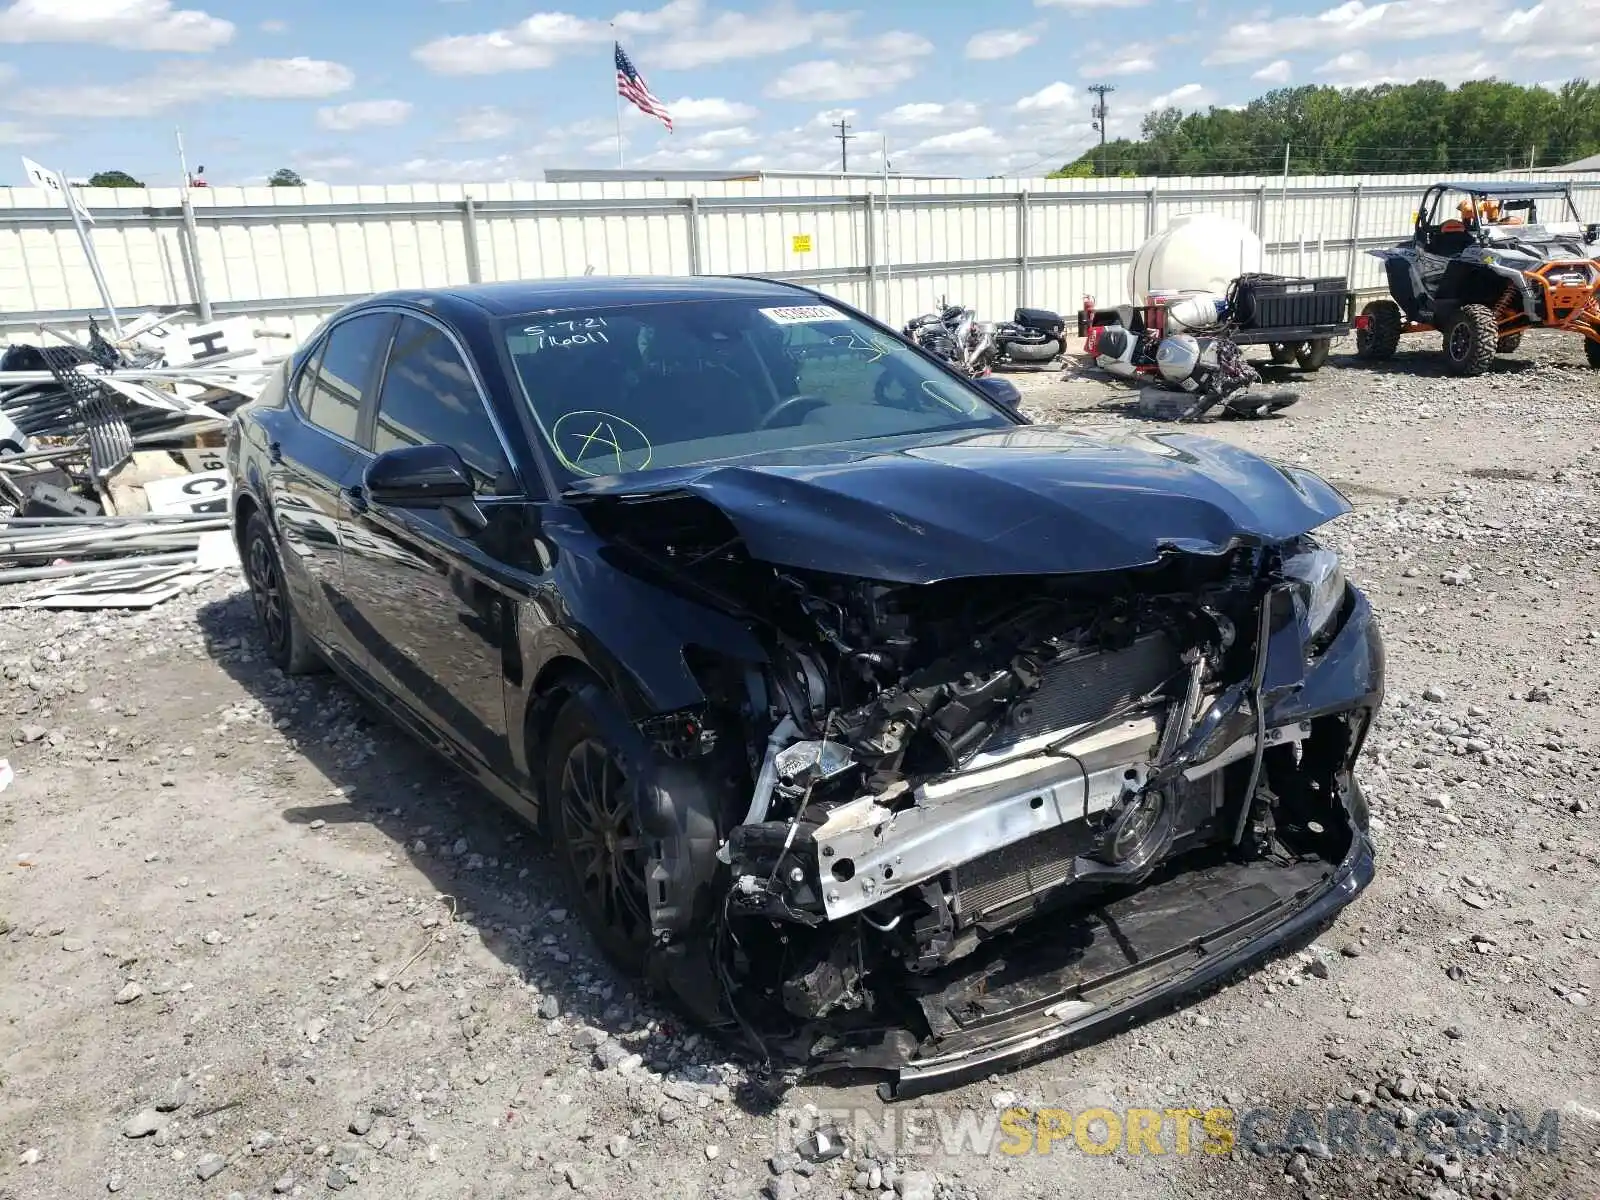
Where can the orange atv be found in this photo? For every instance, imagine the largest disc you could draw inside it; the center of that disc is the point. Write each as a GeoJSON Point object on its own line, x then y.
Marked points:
{"type": "Point", "coordinates": [1486, 262]}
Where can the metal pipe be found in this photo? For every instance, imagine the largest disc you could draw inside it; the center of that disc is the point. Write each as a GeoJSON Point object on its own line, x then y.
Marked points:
{"type": "Point", "coordinates": [66, 571]}
{"type": "Point", "coordinates": [189, 245]}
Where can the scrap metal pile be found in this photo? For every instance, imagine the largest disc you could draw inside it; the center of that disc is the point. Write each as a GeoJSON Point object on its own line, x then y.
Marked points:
{"type": "Point", "coordinates": [112, 488]}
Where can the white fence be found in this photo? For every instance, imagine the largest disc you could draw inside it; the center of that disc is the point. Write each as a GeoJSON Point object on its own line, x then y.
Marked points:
{"type": "Point", "coordinates": [299, 252]}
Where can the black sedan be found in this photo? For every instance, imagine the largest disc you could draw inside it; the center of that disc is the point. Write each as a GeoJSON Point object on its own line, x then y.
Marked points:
{"type": "Point", "coordinates": [870, 722]}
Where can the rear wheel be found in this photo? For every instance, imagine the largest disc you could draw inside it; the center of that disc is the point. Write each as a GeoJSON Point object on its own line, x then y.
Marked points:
{"type": "Point", "coordinates": [1470, 339]}
{"type": "Point", "coordinates": [597, 838]}
{"type": "Point", "coordinates": [288, 646]}
{"type": "Point", "coordinates": [1591, 351]}
{"type": "Point", "coordinates": [1381, 336]}
{"type": "Point", "coordinates": [1283, 353]}
{"type": "Point", "coordinates": [1311, 355]}
{"type": "Point", "coordinates": [1508, 342]}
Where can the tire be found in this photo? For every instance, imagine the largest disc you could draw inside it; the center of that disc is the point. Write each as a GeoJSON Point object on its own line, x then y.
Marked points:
{"type": "Point", "coordinates": [1470, 339]}
{"type": "Point", "coordinates": [1591, 351]}
{"type": "Point", "coordinates": [598, 844]}
{"type": "Point", "coordinates": [1381, 338]}
{"type": "Point", "coordinates": [1508, 343]}
{"type": "Point", "coordinates": [1283, 353]}
{"type": "Point", "coordinates": [1311, 355]}
{"type": "Point", "coordinates": [288, 645]}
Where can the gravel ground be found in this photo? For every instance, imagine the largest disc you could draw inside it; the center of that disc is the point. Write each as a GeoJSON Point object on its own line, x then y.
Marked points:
{"type": "Point", "coordinates": [252, 942]}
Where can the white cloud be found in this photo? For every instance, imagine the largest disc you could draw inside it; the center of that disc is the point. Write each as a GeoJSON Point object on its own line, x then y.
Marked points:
{"type": "Point", "coordinates": [1188, 95]}
{"type": "Point", "coordinates": [1001, 43]}
{"type": "Point", "coordinates": [537, 42]}
{"type": "Point", "coordinates": [274, 27]}
{"type": "Point", "coordinates": [737, 135]}
{"type": "Point", "coordinates": [1086, 5]}
{"type": "Point", "coordinates": [735, 35]}
{"type": "Point", "coordinates": [1132, 59]}
{"type": "Point", "coordinates": [495, 169]}
{"type": "Point", "coordinates": [712, 109]}
{"type": "Point", "coordinates": [929, 115]}
{"type": "Point", "coordinates": [359, 114]}
{"type": "Point", "coordinates": [885, 63]}
{"type": "Point", "coordinates": [1356, 68]}
{"type": "Point", "coordinates": [257, 79]}
{"type": "Point", "coordinates": [1356, 24]}
{"type": "Point", "coordinates": [830, 79]}
{"type": "Point", "coordinates": [12, 134]}
{"type": "Point", "coordinates": [979, 139]}
{"type": "Point", "coordinates": [1276, 73]}
{"type": "Point", "coordinates": [486, 124]}
{"type": "Point", "coordinates": [1050, 98]}
{"type": "Point", "coordinates": [694, 37]}
{"type": "Point", "coordinates": [124, 24]}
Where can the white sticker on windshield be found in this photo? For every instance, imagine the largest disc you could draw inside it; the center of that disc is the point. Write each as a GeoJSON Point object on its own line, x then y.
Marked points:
{"type": "Point", "coordinates": [802, 314]}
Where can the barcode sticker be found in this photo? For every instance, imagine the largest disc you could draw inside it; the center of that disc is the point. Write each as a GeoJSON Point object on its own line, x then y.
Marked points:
{"type": "Point", "coordinates": [802, 314]}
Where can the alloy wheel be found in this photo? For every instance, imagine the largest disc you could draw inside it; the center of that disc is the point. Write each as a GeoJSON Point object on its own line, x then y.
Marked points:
{"type": "Point", "coordinates": [266, 592]}
{"type": "Point", "coordinates": [602, 841]}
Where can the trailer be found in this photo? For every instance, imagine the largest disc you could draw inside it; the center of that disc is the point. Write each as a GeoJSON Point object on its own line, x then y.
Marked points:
{"type": "Point", "coordinates": [1297, 318]}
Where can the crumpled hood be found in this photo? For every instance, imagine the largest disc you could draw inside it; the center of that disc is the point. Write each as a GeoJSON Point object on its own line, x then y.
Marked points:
{"type": "Point", "coordinates": [1028, 501]}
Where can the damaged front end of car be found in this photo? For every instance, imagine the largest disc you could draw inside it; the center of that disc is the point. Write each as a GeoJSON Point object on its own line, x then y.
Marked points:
{"type": "Point", "coordinates": [959, 823]}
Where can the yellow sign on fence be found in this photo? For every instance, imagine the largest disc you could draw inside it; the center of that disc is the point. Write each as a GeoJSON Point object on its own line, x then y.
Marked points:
{"type": "Point", "coordinates": [800, 243]}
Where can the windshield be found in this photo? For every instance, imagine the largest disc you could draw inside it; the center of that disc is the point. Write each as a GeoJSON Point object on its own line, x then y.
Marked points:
{"type": "Point", "coordinates": [622, 389]}
{"type": "Point", "coordinates": [1507, 210]}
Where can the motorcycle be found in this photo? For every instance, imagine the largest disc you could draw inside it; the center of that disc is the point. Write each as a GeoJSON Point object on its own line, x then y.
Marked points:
{"type": "Point", "coordinates": [1033, 335]}
{"type": "Point", "coordinates": [1188, 350]}
{"type": "Point", "coordinates": [954, 334]}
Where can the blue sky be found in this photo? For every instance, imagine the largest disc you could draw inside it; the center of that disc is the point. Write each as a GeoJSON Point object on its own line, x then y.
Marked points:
{"type": "Point", "coordinates": [358, 91]}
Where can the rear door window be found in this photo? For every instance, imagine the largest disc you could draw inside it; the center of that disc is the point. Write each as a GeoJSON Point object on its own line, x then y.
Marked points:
{"type": "Point", "coordinates": [345, 371]}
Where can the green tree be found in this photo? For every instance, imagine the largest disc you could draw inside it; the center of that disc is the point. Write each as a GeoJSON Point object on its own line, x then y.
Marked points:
{"type": "Point", "coordinates": [284, 177]}
{"type": "Point", "coordinates": [114, 179]}
{"type": "Point", "coordinates": [1426, 126]}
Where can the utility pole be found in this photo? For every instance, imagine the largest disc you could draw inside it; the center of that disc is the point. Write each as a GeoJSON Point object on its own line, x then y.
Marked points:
{"type": "Point", "coordinates": [1098, 112]}
{"type": "Point", "coordinates": [844, 145]}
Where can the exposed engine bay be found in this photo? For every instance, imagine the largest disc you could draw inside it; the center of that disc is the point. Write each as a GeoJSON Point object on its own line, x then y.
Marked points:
{"type": "Point", "coordinates": [928, 782]}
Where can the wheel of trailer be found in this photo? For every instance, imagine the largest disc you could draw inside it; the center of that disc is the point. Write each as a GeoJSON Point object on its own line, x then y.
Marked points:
{"type": "Point", "coordinates": [1311, 355]}
{"type": "Point", "coordinates": [1591, 351]}
{"type": "Point", "coordinates": [1381, 337]}
{"type": "Point", "coordinates": [1283, 353]}
{"type": "Point", "coordinates": [288, 646]}
{"type": "Point", "coordinates": [1470, 339]}
{"type": "Point", "coordinates": [1508, 342]}
{"type": "Point", "coordinates": [598, 844]}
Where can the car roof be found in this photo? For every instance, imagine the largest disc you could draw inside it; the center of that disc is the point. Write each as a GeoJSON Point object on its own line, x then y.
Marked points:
{"type": "Point", "coordinates": [1505, 187]}
{"type": "Point", "coordinates": [593, 291]}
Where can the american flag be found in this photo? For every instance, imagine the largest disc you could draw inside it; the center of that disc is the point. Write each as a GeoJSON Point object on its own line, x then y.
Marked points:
{"type": "Point", "coordinates": [632, 88]}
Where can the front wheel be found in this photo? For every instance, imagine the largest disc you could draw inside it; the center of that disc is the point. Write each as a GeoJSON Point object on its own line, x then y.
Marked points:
{"type": "Point", "coordinates": [1470, 339]}
{"type": "Point", "coordinates": [1311, 355]}
{"type": "Point", "coordinates": [288, 645]}
{"type": "Point", "coordinates": [1591, 351]}
{"type": "Point", "coordinates": [598, 843]}
{"type": "Point", "coordinates": [1508, 342]}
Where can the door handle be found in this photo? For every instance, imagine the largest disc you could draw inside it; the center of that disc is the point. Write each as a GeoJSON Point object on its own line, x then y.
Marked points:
{"type": "Point", "coordinates": [274, 452]}
{"type": "Point", "coordinates": [357, 498]}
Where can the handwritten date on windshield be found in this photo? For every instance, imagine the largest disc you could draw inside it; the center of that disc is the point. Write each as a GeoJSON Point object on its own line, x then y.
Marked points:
{"type": "Point", "coordinates": [580, 331]}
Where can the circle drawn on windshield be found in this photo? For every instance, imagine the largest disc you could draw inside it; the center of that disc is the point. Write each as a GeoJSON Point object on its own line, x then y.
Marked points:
{"type": "Point", "coordinates": [591, 442]}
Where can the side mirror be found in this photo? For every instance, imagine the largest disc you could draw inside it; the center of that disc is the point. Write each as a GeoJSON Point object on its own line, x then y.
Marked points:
{"type": "Point", "coordinates": [1001, 390]}
{"type": "Point", "coordinates": [417, 477]}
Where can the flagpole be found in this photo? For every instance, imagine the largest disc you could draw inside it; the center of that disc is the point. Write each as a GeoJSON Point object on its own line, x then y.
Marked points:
{"type": "Point", "coordinates": [183, 163]}
{"type": "Point", "coordinates": [616, 93]}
